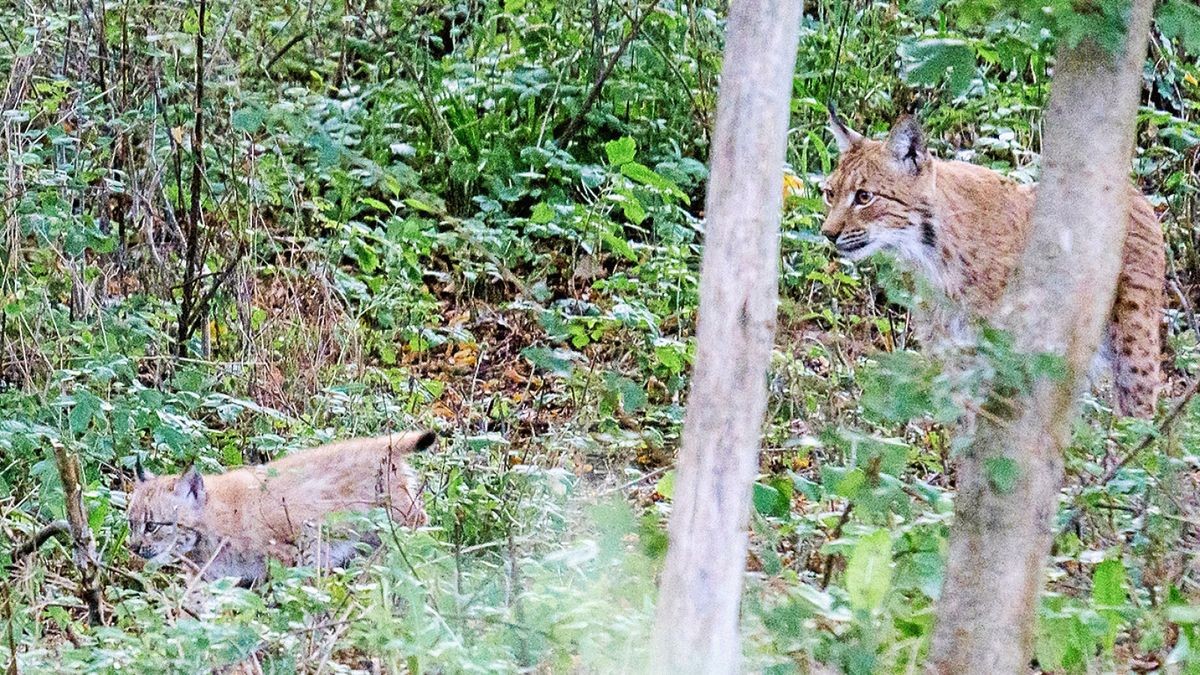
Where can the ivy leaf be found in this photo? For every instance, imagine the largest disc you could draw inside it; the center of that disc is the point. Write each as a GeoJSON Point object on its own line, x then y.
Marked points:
{"type": "Point", "coordinates": [928, 62]}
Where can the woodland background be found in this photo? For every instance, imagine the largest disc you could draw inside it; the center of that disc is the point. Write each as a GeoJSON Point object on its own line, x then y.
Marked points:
{"type": "Point", "coordinates": [316, 220]}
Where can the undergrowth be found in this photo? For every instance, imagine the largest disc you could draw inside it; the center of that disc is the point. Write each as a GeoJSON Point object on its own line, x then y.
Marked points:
{"type": "Point", "coordinates": [484, 218]}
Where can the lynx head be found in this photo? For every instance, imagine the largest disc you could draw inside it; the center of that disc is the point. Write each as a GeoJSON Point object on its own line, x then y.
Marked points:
{"type": "Point", "coordinates": [165, 515]}
{"type": "Point", "coordinates": [877, 194]}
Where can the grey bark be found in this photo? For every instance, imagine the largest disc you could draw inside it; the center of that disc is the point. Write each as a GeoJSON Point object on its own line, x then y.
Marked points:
{"type": "Point", "coordinates": [696, 629]}
{"type": "Point", "coordinates": [1058, 302]}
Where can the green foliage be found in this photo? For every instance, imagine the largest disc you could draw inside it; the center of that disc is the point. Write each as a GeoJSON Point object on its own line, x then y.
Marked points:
{"type": "Point", "coordinates": [419, 216]}
{"type": "Point", "coordinates": [927, 62]}
{"type": "Point", "coordinates": [1179, 19]}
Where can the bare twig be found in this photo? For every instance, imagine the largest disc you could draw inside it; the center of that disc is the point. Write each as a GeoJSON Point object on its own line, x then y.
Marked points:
{"type": "Point", "coordinates": [284, 49]}
{"type": "Point", "coordinates": [201, 308]}
{"type": "Point", "coordinates": [84, 547]}
{"type": "Point", "coordinates": [58, 527]}
{"type": "Point", "coordinates": [576, 122]}
{"type": "Point", "coordinates": [12, 636]}
{"type": "Point", "coordinates": [837, 533]}
{"type": "Point", "coordinates": [1149, 439]}
{"type": "Point", "coordinates": [187, 306]}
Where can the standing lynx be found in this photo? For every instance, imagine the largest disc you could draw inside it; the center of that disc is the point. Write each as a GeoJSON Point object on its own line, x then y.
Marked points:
{"type": "Point", "coordinates": [230, 524]}
{"type": "Point", "coordinates": [964, 227]}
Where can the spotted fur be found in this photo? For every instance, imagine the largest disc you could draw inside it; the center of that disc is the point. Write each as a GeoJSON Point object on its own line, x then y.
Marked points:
{"type": "Point", "coordinates": [965, 227]}
{"type": "Point", "coordinates": [289, 510]}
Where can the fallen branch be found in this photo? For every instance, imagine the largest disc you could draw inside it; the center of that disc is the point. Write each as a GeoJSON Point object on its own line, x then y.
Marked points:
{"type": "Point", "coordinates": [58, 527]}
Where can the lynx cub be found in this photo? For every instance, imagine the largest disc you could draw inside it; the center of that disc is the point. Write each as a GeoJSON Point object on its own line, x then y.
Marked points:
{"type": "Point", "coordinates": [231, 524]}
{"type": "Point", "coordinates": [964, 227]}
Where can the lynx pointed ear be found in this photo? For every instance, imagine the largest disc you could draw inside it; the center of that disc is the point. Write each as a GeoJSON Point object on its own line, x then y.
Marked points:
{"type": "Point", "coordinates": [139, 471]}
{"type": "Point", "coordinates": [844, 136]}
{"type": "Point", "coordinates": [191, 486]}
{"type": "Point", "coordinates": [907, 145]}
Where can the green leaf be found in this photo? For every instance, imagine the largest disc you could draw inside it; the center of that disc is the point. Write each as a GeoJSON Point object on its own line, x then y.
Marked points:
{"type": "Point", "coordinates": [557, 361]}
{"type": "Point", "coordinates": [869, 571]}
{"type": "Point", "coordinates": [666, 485]}
{"type": "Point", "coordinates": [368, 259]}
{"type": "Point", "coordinates": [1002, 473]}
{"type": "Point", "coordinates": [646, 176]}
{"type": "Point", "coordinates": [928, 62]}
{"type": "Point", "coordinates": [620, 151]}
{"type": "Point", "coordinates": [421, 205]}
{"type": "Point", "coordinates": [247, 120]}
{"type": "Point", "coordinates": [850, 484]}
{"type": "Point", "coordinates": [485, 441]}
{"type": "Point", "coordinates": [631, 206]}
{"type": "Point", "coordinates": [1108, 584]}
{"type": "Point", "coordinates": [619, 246]}
{"type": "Point", "coordinates": [1184, 615]}
{"type": "Point", "coordinates": [542, 213]}
{"type": "Point", "coordinates": [87, 406]}
{"type": "Point", "coordinates": [1108, 596]}
{"type": "Point", "coordinates": [770, 501]}
{"type": "Point", "coordinates": [1050, 366]}
{"type": "Point", "coordinates": [1180, 19]}
{"type": "Point", "coordinates": [376, 204]}
{"type": "Point", "coordinates": [633, 395]}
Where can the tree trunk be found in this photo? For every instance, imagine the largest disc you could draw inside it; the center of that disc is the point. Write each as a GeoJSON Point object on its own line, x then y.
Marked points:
{"type": "Point", "coordinates": [1059, 302]}
{"type": "Point", "coordinates": [696, 629]}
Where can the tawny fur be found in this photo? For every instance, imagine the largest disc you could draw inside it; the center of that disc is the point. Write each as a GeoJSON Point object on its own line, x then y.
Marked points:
{"type": "Point", "coordinates": [964, 227]}
{"type": "Point", "coordinates": [234, 522]}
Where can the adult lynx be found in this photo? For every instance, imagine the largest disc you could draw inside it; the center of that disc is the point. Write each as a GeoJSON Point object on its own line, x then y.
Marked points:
{"type": "Point", "coordinates": [231, 524]}
{"type": "Point", "coordinates": [965, 227]}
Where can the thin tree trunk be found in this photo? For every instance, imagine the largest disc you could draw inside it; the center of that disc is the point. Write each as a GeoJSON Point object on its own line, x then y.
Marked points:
{"type": "Point", "coordinates": [1059, 302]}
{"type": "Point", "coordinates": [696, 628]}
{"type": "Point", "coordinates": [83, 546]}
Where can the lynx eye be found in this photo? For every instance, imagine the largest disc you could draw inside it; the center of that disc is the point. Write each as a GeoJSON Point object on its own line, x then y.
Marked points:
{"type": "Point", "coordinates": [827, 196]}
{"type": "Point", "coordinates": [151, 528]}
{"type": "Point", "coordinates": [863, 197]}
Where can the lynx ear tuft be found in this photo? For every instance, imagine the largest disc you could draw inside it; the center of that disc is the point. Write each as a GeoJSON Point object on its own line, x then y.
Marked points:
{"type": "Point", "coordinates": [907, 145]}
{"type": "Point", "coordinates": [426, 440]}
{"type": "Point", "coordinates": [844, 136]}
{"type": "Point", "coordinates": [139, 471]}
{"type": "Point", "coordinates": [191, 486]}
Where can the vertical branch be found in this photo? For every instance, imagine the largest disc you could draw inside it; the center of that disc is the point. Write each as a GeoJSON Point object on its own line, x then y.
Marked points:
{"type": "Point", "coordinates": [696, 627]}
{"type": "Point", "coordinates": [83, 546]}
{"type": "Point", "coordinates": [1058, 301]}
{"type": "Point", "coordinates": [187, 303]}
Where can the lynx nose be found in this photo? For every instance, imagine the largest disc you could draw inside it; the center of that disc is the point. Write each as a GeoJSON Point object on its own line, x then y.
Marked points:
{"type": "Point", "coordinates": [831, 236]}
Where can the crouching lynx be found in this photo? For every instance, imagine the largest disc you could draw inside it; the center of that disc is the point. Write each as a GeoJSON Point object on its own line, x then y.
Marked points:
{"type": "Point", "coordinates": [964, 228]}
{"type": "Point", "coordinates": [231, 524]}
